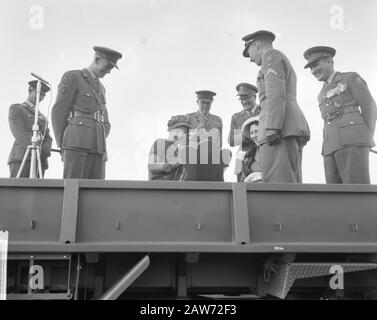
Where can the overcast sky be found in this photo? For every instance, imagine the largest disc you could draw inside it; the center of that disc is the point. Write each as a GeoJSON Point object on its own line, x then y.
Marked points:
{"type": "Point", "coordinates": [173, 48]}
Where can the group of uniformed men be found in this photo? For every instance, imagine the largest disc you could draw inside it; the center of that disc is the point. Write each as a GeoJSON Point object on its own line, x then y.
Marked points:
{"type": "Point", "coordinates": [271, 135]}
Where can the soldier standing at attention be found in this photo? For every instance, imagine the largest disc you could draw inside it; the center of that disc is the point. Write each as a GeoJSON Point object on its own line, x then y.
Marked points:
{"type": "Point", "coordinates": [206, 124]}
{"type": "Point", "coordinates": [21, 121]}
{"type": "Point", "coordinates": [349, 113]}
{"type": "Point", "coordinates": [248, 94]}
{"type": "Point", "coordinates": [80, 118]}
{"type": "Point", "coordinates": [283, 129]}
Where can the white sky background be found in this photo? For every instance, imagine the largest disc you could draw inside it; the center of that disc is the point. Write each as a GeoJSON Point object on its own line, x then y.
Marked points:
{"type": "Point", "coordinates": [171, 49]}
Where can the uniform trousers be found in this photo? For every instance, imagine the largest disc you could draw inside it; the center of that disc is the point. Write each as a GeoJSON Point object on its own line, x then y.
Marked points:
{"type": "Point", "coordinates": [83, 165]}
{"type": "Point", "coordinates": [15, 166]}
{"type": "Point", "coordinates": [348, 165]}
{"type": "Point", "coordinates": [281, 162]}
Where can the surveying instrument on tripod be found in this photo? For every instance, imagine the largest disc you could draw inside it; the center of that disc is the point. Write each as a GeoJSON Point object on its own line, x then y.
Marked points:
{"type": "Point", "coordinates": [34, 149]}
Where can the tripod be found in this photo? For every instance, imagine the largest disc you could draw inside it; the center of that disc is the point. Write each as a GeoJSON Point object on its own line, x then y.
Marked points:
{"type": "Point", "coordinates": [34, 148]}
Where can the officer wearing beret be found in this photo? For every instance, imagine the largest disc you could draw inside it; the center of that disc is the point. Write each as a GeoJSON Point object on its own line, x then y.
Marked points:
{"type": "Point", "coordinates": [283, 129]}
{"type": "Point", "coordinates": [247, 94]}
{"type": "Point", "coordinates": [80, 118]}
{"type": "Point", "coordinates": [349, 113]}
{"type": "Point", "coordinates": [21, 121]}
{"type": "Point", "coordinates": [206, 124]}
{"type": "Point", "coordinates": [163, 163]}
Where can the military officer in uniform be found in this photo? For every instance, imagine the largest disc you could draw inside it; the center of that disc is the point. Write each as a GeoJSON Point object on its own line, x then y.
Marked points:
{"type": "Point", "coordinates": [206, 124]}
{"type": "Point", "coordinates": [80, 117]}
{"type": "Point", "coordinates": [21, 121]}
{"type": "Point", "coordinates": [349, 113]}
{"type": "Point", "coordinates": [283, 129]}
{"type": "Point", "coordinates": [247, 94]}
{"type": "Point", "coordinates": [164, 163]}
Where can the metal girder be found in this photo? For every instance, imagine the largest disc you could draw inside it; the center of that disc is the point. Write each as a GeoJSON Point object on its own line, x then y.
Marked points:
{"type": "Point", "coordinates": [120, 286]}
{"type": "Point", "coordinates": [240, 214]}
{"type": "Point", "coordinates": [155, 216]}
{"type": "Point", "coordinates": [206, 247]}
{"type": "Point", "coordinates": [70, 211]}
{"type": "Point", "coordinates": [281, 281]}
{"type": "Point", "coordinates": [39, 296]}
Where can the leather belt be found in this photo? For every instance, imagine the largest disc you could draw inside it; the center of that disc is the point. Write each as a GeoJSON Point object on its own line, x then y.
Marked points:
{"type": "Point", "coordinates": [97, 116]}
{"type": "Point", "coordinates": [340, 113]}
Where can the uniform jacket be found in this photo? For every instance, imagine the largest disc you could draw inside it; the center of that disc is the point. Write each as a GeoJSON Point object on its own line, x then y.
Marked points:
{"type": "Point", "coordinates": [78, 91]}
{"type": "Point", "coordinates": [352, 129]}
{"type": "Point", "coordinates": [21, 121]}
{"type": "Point", "coordinates": [210, 122]}
{"type": "Point", "coordinates": [277, 96]}
{"type": "Point", "coordinates": [236, 123]}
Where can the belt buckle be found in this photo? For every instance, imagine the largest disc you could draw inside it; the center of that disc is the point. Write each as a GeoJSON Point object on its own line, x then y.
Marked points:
{"type": "Point", "coordinates": [333, 115]}
{"type": "Point", "coordinates": [329, 117]}
{"type": "Point", "coordinates": [99, 117]}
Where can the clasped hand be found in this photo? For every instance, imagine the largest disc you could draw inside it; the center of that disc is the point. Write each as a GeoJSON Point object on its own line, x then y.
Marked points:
{"type": "Point", "coordinates": [273, 136]}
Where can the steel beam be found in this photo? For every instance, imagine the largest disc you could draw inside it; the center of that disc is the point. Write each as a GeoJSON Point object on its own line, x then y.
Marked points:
{"type": "Point", "coordinates": [187, 217]}
{"type": "Point", "coordinates": [144, 247]}
{"type": "Point", "coordinates": [281, 282]}
{"type": "Point", "coordinates": [39, 296]}
{"type": "Point", "coordinates": [69, 213]}
{"type": "Point", "coordinates": [120, 286]}
{"type": "Point", "coordinates": [240, 214]}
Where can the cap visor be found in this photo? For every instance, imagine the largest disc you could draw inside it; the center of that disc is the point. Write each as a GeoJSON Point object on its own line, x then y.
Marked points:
{"type": "Point", "coordinates": [247, 94]}
{"type": "Point", "coordinates": [245, 52]}
{"type": "Point", "coordinates": [180, 124]}
{"type": "Point", "coordinates": [308, 65]}
{"type": "Point", "coordinates": [112, 63]}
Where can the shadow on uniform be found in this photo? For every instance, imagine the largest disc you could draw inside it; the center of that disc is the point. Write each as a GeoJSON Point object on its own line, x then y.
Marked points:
{"type": "Point", "coordinates": [204, 163]}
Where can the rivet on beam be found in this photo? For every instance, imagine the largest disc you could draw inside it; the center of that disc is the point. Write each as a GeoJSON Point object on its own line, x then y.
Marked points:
{"type": "Point", "coordinates": [32, 224]}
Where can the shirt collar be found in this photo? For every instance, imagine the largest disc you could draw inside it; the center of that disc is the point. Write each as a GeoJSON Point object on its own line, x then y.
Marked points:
{"type": "Point", "coordinates": [330, 79]}
{"type": "Point", "coordinates": [92, 74]}
{"type": "Point", "coordinates": [29, 104]}
{"type": "Point", "coordinates": [250, 111]}
{"type": "Point", "coordinates": [202, 114]}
